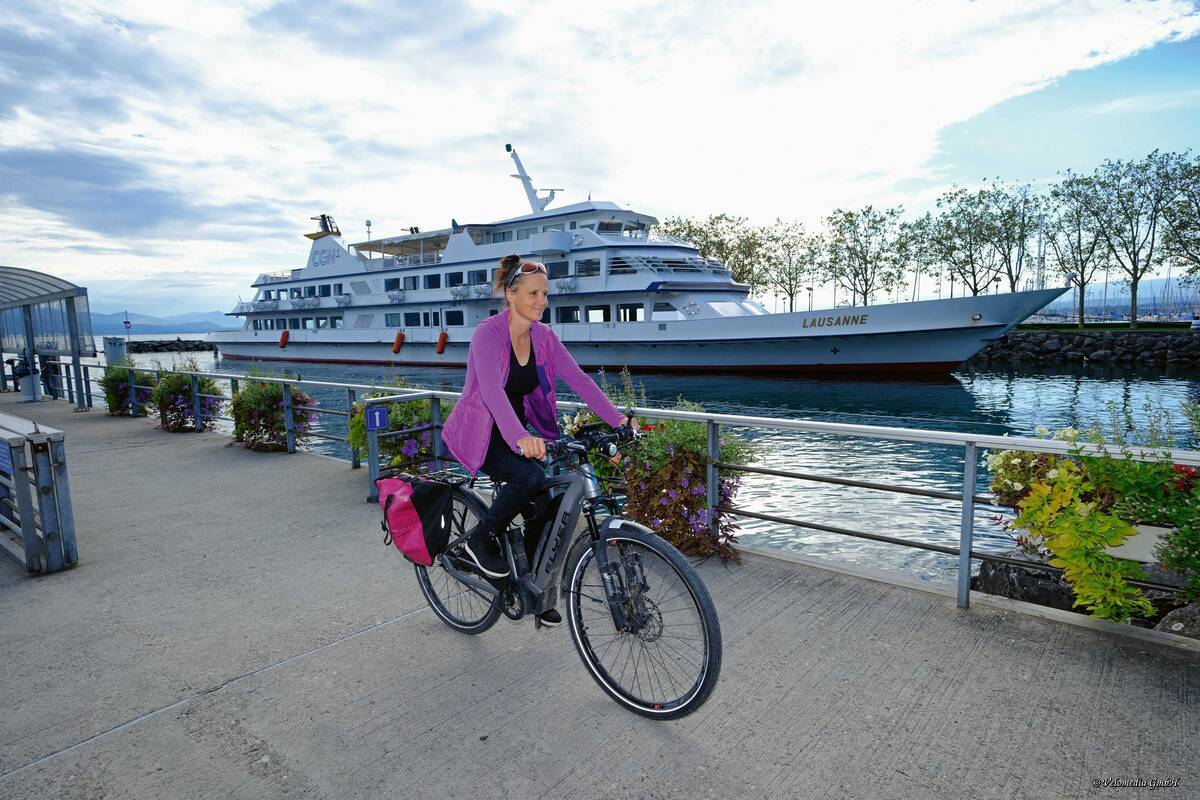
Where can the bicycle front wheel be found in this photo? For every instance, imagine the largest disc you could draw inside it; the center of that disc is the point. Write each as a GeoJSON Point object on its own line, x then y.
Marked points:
{"type": "Point", "coordinates": [460, 606]}
{"type": "Point", "coordinates": [666, 662]}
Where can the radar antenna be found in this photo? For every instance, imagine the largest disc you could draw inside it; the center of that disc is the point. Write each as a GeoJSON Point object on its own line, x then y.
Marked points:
{"type": "Point", "coordinates": [538, 204]}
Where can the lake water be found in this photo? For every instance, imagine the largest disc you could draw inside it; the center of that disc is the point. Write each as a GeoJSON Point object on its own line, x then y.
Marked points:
{"type": "Point", "coordinates": [994, 402]}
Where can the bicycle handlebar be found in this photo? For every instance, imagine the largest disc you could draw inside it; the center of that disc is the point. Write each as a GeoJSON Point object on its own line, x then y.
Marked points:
{"type": "Point", "coordinates": [591, 437]}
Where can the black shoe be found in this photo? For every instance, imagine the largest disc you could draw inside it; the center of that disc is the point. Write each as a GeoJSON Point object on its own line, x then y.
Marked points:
{"type": "Point", "coordinates": [550, 619]}
{"type": "Point", "coordinates": [485, 555]}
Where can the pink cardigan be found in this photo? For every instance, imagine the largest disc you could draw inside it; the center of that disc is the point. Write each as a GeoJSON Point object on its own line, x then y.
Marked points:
{"type": "Point", "coordinates": [468, 430]}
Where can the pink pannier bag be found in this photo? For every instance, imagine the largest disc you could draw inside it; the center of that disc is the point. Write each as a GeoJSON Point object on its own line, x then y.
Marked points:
{"type": "Point", "coordinates": [416, 517]}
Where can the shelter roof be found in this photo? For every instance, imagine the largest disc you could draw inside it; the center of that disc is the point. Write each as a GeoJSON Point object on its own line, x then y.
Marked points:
{"type": "Point", "coordinates": [20, 287]}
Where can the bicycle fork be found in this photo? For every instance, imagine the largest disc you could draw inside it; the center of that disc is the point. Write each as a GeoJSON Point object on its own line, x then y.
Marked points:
{"type": "Point", "coordinates": [624, 582]}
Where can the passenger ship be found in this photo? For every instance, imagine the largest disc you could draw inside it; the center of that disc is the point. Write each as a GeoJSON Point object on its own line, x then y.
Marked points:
{"type": "Point", "coordinates": [621, 295]}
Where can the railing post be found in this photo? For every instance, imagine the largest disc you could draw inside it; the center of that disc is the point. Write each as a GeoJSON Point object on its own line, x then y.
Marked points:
{"type": "Point", "coordinates": [714, 478]}
{"type": "Point", "coordinates": [351, 397]}
{"type": "Point", "coordinates": [66, 373]}
{"type": "Point", "coordinates": [87, 385]}
{"type": "Point", "coordinates": [289, 421]}
{"type": "Point", "coordinates": [233, 388]}
{"type": "Point", "coordinates": [372, 464]}
{"type": "Point", "coordinates": [967, 533]}
{"type": "Point", "coordinates": [133, 407]}
{"type": "Point", "coordinates": [197, 422]}
{"type": "Point", "coordinates": [35, 551]}
{"type": "Point", "coordinates": [435, 407]}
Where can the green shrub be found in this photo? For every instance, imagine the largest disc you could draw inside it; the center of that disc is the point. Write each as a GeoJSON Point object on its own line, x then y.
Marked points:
{"type": "Point", "coordinates": [258, 416]}
{"type": "Point", "coordinates": [173, 398]}
{"type": "Point", "coordinates": [115, 385]}
{"type": "Point", "coordinates": [666, 475]}
{"type": "Point", "coordinates": [398, 451]}
{"type": "Point", "coordinates": [1062, 511]}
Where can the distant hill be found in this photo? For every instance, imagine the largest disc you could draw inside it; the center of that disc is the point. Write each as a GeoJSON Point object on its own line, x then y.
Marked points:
{"type": "Point", "coordinates": [194, 322]}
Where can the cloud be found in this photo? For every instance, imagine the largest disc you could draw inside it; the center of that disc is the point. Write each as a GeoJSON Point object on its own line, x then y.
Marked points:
{"type": "Point", "coordinates": [1148, 103]}
{"type": "Point", "coordinates": [129, 128]}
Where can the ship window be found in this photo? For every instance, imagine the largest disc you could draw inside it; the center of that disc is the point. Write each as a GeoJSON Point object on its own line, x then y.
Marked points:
{"type": "Point", "coordinates": [307, 323]}
{"type": "Point", "coordinates": [454, 318]}
{"type": "Point", "coordinates": [587, 267]}
{"type": "Point", "coordinates": [493, 312]}
{"type": "Point", "coordinates": [557, 269]}
{"type": "Point", "coordinates": [558, 226]}
{"type": "Point", "coordinates": [322, 323]}
{"type": "Point", "coordinates": [410, 282]}
{"type": "Point", "coordinates": [572, 224]}
{"type": "Point", "coordinates": [294, 293]}
{"type": "Point", "coordinates": [337, 289]}
{"type": "Point", "coordinates": [280, 324]}
{"type": "Point", "coordinates": [391, 320]}
{"type": "Point", "coordinates": [524, 233]}
{"type": "Point", "coordinates": [257, 324]}
{"type": "Point", "coordinates": [294, 323]}
{"type": "Point", "coordinates": [324, 290]}
{"type": "Point", "coordinates": [502, 236]}
{"type": "Point", "coordinates": [412, 319]}
{"type": "Point", "coordinates": [631, 312]}
{"type": "Point", "coordinates": [664, 307]}
{"type": "Point", "coordinates": [454, 278]}
{"type": "Point", "coordinates": [335, 322]}
{"type": "Point", "coordinates": [567, 314]}
{"type": "Point", "coordinates": [477, 276]}
{"type": "Point", "coordinates": [391, 284]}
{"type": "Point", "coordinates": [433, 281]}
{"type": "Point", "coordinates": [266, 295]}
{"type": "Point", "coordinates": [609, 227]}
{"type": "Point", "coordinates": [310, 291]}
{"type": "Point", "coordinates": [599, 314]}
{"type": "Point", "coordinates": [619, 266]}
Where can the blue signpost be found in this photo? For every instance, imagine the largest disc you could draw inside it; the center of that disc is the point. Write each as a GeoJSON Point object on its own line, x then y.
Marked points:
{"type": "Point", "coordinates": [377, 418]}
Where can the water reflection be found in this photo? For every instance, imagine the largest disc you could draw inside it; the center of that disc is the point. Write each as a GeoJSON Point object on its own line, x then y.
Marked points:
{"type": "Point", "coordinates": [1015, 401]}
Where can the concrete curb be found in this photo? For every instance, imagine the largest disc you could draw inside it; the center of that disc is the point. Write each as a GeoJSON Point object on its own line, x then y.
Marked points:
{"type": "Point", "coordinates": [1185, 643]}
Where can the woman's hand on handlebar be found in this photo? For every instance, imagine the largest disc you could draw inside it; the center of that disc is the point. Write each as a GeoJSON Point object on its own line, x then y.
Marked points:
{"type": "Point", "coordinates": [630, 421]}
{"type": "Point", "coordinates": [532, 447]}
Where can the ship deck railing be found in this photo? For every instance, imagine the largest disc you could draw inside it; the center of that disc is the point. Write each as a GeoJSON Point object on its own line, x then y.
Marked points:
{"type": "Point", "coordinates": [359, 395]}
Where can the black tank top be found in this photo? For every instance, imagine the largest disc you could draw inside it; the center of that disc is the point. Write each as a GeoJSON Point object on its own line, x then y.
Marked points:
{"type": "Point", "coordinates": [521, 381]}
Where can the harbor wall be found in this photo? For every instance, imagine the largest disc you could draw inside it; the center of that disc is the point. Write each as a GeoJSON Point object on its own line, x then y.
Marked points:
{"type": "Point", "coordinates": [169, 346]}
{"type": "Point", "coordinates": [1093, 347]}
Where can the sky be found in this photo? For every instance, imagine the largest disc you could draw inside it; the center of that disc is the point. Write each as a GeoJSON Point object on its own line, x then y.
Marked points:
{"type": "Point", "coordinates": [163, 153]}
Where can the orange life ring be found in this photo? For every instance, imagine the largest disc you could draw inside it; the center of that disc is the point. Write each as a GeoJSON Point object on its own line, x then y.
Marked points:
{"type": "Point", "coordinates": [441, 345]}
{"type": "Point", "coordinates": [398, 343]}
{"type": "Point", "coordinates": [283, 337]}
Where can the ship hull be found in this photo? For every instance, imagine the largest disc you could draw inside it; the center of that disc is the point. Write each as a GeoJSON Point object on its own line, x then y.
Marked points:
{"type": "Point", "coordinates": [923, 337]}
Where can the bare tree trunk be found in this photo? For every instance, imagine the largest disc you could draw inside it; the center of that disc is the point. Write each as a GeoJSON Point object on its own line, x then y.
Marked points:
{"type": "Point", "coordinates": [1133, 286]}
{"type": "Point", "coordinates": [1082, 292]}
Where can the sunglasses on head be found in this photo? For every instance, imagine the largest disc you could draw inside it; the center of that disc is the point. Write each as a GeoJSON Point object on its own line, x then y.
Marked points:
{"type": "Point", "coordinates": [526, 268]}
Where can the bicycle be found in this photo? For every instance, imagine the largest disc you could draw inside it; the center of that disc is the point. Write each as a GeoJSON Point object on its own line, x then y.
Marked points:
{"type": "Point", "coordinates": [640, 618]}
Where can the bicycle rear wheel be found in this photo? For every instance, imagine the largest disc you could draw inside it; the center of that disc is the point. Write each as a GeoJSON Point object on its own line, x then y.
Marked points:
{"type": "Point", "coordinates": [666, 663]}
{"type": "Point", "coordinates": [462, 607]}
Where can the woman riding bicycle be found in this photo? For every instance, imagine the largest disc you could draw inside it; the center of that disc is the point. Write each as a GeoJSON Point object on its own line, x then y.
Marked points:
{"type": "Point", "coordinates": [512, 365]}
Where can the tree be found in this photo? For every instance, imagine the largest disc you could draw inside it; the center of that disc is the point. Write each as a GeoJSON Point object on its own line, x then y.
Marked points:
{"type": "Point", "coordinates": [1075, 239]}
{"type": "Point", "coordinates": [788, 258]}
{"type": "Point", "coordinates": [920, 254]}
{"type": "Point", "coordinates": [958, 238]}
{"type": "Point", "coordinates": [866, 251]}
{"type": "Point", "coordinates": [1182, 241]}
{"type": "Point", "coordinates": [728, 239]}
{"type": "Point", "coordinates": [1011, 213]}
{"type": "Point", "coordinates": [1127, 200]}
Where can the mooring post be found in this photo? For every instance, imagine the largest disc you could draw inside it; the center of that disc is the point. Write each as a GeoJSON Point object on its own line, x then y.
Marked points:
{"type": "Point", "coordinates": [289, 421]}
{"type": "Point", "coordinates": [967, 533]}
{"type": "Point", "coordinates": [714, 478]}
{"type": "Point", "coordinates": [351, 397]}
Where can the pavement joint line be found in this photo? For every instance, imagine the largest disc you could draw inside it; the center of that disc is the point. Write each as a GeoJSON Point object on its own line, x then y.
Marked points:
{"type": "Point", "coordinates": [196, 695]}
{"type": "Point", "coordinates": [1185, 643]}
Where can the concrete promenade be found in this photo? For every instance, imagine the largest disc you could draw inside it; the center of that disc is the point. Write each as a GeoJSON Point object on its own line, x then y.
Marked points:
{"type": "Point", "coordinates": [236, 629]}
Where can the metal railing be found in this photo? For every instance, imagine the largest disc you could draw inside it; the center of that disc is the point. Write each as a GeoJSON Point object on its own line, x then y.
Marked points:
{"type": "Point", "coordinates": [35, 496]}
{"type": "Point", "coordinates": [970, 443]}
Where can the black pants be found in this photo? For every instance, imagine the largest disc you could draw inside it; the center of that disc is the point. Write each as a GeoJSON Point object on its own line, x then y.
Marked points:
{"type": "Point", "coordinates": [522, 478]}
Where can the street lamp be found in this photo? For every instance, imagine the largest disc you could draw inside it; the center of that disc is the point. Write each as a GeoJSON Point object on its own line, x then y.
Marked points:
{"type": "Point", "coordinates": [810, 295]}
{"type": "Point", "coordinates": [996, 280]}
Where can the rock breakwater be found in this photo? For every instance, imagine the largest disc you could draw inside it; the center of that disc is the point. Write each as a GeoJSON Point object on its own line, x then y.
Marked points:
{"type": "Point", "coordinates": [1093, 347]}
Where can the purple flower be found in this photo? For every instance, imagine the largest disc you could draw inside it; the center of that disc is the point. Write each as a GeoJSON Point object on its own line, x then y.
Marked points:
{"type": "Point", "coordinates": [684, 482]}
{"type": "Point", "coordinates": [655, 522]}
{"type": "Point", "coordinates": [674, 495]}
{"type": "Point", "coordinates": [641, 484]}
{"type": "Point", "coordinates": [662, 501]}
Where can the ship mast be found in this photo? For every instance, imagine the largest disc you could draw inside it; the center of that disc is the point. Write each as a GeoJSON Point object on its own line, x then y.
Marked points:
{"type": "Point", "coordinates": [538, 204]}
